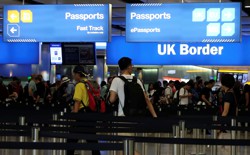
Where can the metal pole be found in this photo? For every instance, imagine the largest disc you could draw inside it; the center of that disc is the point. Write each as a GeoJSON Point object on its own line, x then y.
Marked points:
{"type": "Point", "coordinates": [176, 134]}
{"type": "Point", "coordinates": [195, 137]}
{"type": "Point", "coordinates": [238, 136]}
{"type": "Point", "coordinates": [61, 140]}
{"type": "Point", "coordinates": [246, 137]}
{"type": "Point", "coordinates": [21, 138]}
{"type": "Point", "coordinates": [144, 147]}
{"type": "Point", "coordinates": [158, 146]}
{"type": "Point", "coordinates": [128, 147]}
{"type": "Point", "coordinates": [55, 118]}
{"type": "Point", "coordinates": [233, 136]}
{"type": "Point", "coordinates": [214, 132]}
{"type": "Point", "coordinates": [182, 135]}
{"type": "Point", "coordinates": [35, 138]}
{"type": "Point", "coordinates": [23, 2]}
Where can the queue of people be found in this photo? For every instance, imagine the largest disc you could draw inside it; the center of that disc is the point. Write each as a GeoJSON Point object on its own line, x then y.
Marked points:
{"type": "Point", "coordinates": [127, 95]}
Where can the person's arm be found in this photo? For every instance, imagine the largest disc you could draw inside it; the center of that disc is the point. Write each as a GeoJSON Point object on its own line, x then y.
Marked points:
{"type": "Point", "coordinates": [76, 106]}
{"type": "Point", "coordinates": [247, 99]}
{"type": "Point", "coordinates": [203, 97]}
{"type": "Point", "coordinates": [226, 109]}
{"type": "Point", "coordinates": [150, 106]}
{"type": "Point", "coordinates": [112, 97]}
{"type": "Point", "coordinates": [183, 94]}
{"type": "Point", "coordinates": [113, 91]}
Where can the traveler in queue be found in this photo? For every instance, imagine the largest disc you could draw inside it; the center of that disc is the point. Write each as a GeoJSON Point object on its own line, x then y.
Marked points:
{"type": "Point", "coordinates": [184, 94]}
{"type": "Point", "coordinates": [230, 109]}
{"type": "Point", "coordinates": [40, 93]}
{"type": "Point", "coordinates": [81, 99]}
{"type": "Point", "coordinates": [169, 92]}
{"type": "Point", "coordinates": [32, 89]}
{"type": "Point", "coordinates": [206, 93]}
{"type": "Point", "coordinates": [117, 90]}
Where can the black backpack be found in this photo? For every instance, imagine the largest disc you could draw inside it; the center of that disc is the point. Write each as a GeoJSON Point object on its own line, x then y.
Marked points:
{"type": "Point", "coordinates": [135, 102]}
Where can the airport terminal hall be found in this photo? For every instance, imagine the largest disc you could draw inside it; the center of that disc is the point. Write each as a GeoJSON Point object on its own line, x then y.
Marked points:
{"type": "Point", "coordinates": [124, 77]}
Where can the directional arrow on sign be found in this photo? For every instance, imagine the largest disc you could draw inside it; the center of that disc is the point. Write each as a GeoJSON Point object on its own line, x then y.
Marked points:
{"type": "Point", "coordinates": [13, 30]}
{"type": "Point", "coordinates": [13, 16]}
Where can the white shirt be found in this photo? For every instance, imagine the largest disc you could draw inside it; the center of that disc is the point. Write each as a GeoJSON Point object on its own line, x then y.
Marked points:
{"type": "Point", "coordinates": [183, 101]}
{"type": "Point", "coordinates": [118, 87]}
{"type": "Point", "coordinates": [169, 91]}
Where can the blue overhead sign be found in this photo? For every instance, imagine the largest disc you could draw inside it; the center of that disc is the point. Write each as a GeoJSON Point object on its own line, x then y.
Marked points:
{"type": "Point", "coordinates": [57, 23]}
{"type": "Point", "coordinates": [188, 22]}
{"type": "Point", "coordinates": [210, 54]}
{"type": "Point", "coordinates": [19, 53]}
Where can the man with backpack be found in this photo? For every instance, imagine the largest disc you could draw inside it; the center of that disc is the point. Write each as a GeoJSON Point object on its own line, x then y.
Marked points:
{"type": "Point", "coordinates": [133, 98]}
{"type": "Point", "coordinates": [82, 100]}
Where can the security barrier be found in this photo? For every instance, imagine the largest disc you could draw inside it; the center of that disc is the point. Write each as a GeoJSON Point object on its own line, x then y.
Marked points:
{"type": "Point", "coordinates": [32, 125]}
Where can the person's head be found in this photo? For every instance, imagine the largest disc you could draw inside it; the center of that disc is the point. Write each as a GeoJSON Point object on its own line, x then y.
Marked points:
{"type": "Point", "coordinates": [150, 87]}
{"type": "Point", "coordinates": [188, 85]}
{"type": "Point", "coordinates": [247, 88]}
{"type": "Point", "coordinates": [65, 80]}
{"type": "Point", "coordinates": [171, 83]}
{"type": "Point", "coordinates": [79, 73]}
{"type": "Point", "coordinates": [125, 65]}
{"type": "Point", "coordinates": [165, 84]}
{"type": "Point", "coordinates": [33, 76]}
{"type": "Point", "coordinates": [159, 83]}
{"type": "Point", "coordinates": [210, 84]}
{"type": "Point", "coordinates": [197, 78]}
{"type": "Point", "coordinates": [200, 83]}
{"type": "Point", "coordinates": [227, 81]}
{"type": "Point", "coordinates": [110, 79]}
{"type": "Point", "coordinates": [103, 83]}
{"type": "Point", "coordinates": [15, 79]}
{"type": "Point", "coordinates": [156, 86]}
{"type": "Point", "coordinates": [38, 79]}
{"type": "Point", "coordinates": [237, 85]}
{"type": "Point", "coordinates": [192, 83]}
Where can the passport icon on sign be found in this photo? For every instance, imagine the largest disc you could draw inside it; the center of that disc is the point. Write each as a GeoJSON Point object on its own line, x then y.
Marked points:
{"type": "Point", "coordinates": [213, 15]}
{"type": "Point", "coordinates": [228, 29]}
{"type": "Point", "coordinates": [26, 16]}
{"type": "Point", "coordinates": [213, 29]}
{"type": "Point", "coordinates": [199, 15]}
{"type": "Point", "coordinates": [13, 16]}
{"type": "Point", "coordinates": [228, 14]}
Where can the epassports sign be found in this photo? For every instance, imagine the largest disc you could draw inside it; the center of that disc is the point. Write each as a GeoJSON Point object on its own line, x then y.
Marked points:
{"type": "Point", "coordinates": [188, 22]}
{"type": "Point", "coordinates": [211, 54]}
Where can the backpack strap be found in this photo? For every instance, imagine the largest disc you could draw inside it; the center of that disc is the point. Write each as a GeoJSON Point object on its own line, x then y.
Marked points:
{"type": "Point", "coordinates": [134, 80]}
{"type": "Point", "coordinates": [123, 79]}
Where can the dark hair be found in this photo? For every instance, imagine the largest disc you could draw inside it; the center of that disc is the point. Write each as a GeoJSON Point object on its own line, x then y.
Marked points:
{"type": "Point", "coordinates": [80, 70]}
{"type": "Point", "coordinates": [200, 82]}
{"type": "Point", "coordinates": [206, 83]}
{"type": "Point", "coordinates": [14, 78]}
{"type": "Point", "coordinates": [211, 81]}
{"type": "Point", "coordinates": [191, 83]}
{"type": "Point", "coordinates": [38, 78]}
{"type": "Point", "coordinates": [103, 83]}
{"type": "Point", "coordinates": [228, 80]}
{"type": "Point", "coordinates": [159, 83]}
{"type": "Point", "coordinates": [149, 86]}
{"type": "Point", "coordinates": [156, 86]}
{"type": "Point", "coordinates": [165, 83]}
{"type": "Point", "coordinates": [246, 88]}
{"type": "Point", "coordinates": [124, 63]}
{"type": "Point", "coordinates": [198, 78]}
